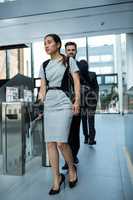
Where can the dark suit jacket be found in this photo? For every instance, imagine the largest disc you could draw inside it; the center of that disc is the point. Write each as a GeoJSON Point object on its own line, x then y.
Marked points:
{"type": "Point", "coordinates": [89, 90]}
{"type": "Point", "coordinates": [93, 82]}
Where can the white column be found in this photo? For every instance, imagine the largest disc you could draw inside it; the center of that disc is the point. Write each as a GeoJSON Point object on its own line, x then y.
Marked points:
{"type": "Point", "coordinates": [118, 66]}
{"type": "Point", "coordinates": [129, 59]}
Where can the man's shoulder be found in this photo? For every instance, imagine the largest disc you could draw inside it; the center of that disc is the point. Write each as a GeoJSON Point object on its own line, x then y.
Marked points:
{"type": "Point", "coordinates": [92, 74]}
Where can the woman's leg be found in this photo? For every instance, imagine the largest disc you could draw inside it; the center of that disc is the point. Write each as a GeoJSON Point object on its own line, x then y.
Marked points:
{"type": "Point", "coordinates": [54, 161]}
{"type": "Point", "coordinates": [67, 154]}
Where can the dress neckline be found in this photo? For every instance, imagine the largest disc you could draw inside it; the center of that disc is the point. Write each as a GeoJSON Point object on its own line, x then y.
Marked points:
{"type": "Point", "coordinates": [56, 60]}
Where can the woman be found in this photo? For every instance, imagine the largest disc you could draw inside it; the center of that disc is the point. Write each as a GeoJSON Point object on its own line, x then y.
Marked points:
{"type": "Point", "coordinates": [58, 110]}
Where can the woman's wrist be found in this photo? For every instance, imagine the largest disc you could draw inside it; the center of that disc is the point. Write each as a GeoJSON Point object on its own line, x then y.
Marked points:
{"type": "Point", "coordinates": [40, 99]}
{"type": "Point", "coordinates": [77, 100]}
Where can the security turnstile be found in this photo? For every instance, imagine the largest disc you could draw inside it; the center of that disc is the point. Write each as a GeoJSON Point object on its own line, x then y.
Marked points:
{"type": "Point", "coordinates": [20, 141]}
{"type": "Point", "coordinates": [45, 157]}
{"type": "Point", "coordinates": [39, 146]}
{"type": "Point", "coordinates": [13, 137]}
{"type": "Point", "coordinates": [36, 137]}
{"type": "Point", "coordinates": [0, 128]}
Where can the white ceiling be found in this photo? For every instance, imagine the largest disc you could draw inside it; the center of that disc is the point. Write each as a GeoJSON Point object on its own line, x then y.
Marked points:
{"type": "Point", "coordinates": [25, 21]}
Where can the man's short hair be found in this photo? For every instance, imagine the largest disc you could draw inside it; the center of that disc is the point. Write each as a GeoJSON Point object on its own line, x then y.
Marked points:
{"type": "Point", "coordinates": [71, 43]}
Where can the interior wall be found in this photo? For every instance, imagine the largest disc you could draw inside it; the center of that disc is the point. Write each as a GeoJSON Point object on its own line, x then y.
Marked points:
{"type": "Point", "coordinates": [20, 8]}
{"type": "Point", "coordinates": [129, 60]}
{"type": "Point", "coordinates": [74, 18]}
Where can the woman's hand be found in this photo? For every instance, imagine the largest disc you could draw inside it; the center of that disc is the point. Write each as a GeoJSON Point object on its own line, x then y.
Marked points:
{"type": "Point", "coordinates": [40, 115]}
{"type": "Point", "coordinates": [42, 91]}
{"type": "Point", "coordinates": [39, 101]}
{"type": "Point", "coordinates": [76, 108]}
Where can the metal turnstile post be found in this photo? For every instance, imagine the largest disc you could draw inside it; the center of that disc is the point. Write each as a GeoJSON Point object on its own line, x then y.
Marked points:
{"type": "Point", "coordinates": [45, 157]}
{"type": "Point", "coordinates": [13, 138]}
{"type": "Point", "coordinates": [39, 147]}
{"type": "Point", "coordinates": [0, 128]}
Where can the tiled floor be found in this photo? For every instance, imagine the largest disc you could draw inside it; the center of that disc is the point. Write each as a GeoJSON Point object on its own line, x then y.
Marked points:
{"type": "Point", "coordinates": [102, 170]}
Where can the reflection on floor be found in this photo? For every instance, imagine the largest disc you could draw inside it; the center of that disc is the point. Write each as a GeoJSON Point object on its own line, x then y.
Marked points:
{"type": "Point", "coordinates": [102, 170]}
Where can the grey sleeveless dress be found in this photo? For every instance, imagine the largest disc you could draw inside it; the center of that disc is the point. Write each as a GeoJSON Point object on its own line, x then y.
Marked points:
{"type": "Point", "coordinates": [57, 106]}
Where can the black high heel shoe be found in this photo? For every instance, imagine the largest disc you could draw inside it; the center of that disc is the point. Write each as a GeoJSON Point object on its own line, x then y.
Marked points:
{"type": "Point", "coordinates": [52, 191]}
{"type": "Point", "coordinates": [73, 183]}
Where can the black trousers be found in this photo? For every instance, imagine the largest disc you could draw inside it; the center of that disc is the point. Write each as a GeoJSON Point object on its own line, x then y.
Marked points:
{"type": "Point", "coordinates": [88, 119]}
{"type": "Point", "coordinates": [74, 135]}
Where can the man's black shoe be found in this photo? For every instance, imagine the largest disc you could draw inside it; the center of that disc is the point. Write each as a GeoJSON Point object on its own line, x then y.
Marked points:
{"type": "Point", "coordinates": [76, 160]}
{"type": "Point", "coordinates": [92, 142]}
{"type": "Point", "coordinates": [65, 167]}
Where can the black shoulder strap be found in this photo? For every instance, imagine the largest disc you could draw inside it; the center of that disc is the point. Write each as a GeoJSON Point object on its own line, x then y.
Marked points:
{"type": "Point", "coordinates": [78, 64]}
{"type": "Point", "coordinates": [67, 63]}
{"type": "Point", "coordinates": [45, 63]}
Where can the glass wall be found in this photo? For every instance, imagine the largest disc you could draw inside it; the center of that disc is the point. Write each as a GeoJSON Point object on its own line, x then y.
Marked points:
{"type": "Point", "coordinates": [103, 58]}
{"type": "Point", "coordinates": [15, 61]}
{"type": "Point", "coordinates": [108, 93]}
{"type": "Point", "coordinates": [12, 63]}
{"type": "Point", "coordinates": [2, 64]}
{"type": "Point", "coordinates": [109, 56]}
{"type": "Point", "coordinates": [101, 54]}
{"type": "Point", "coordinates": [39, 56]}
{"type": "Point", "coordinates": [102, 62]}
{"type": "Point", "coordinates": [106, 56]}
{"type": "Point", "coordinates": [25, 63]}
{"type": "Point", "coordinates": [19, 61]}
{"type": "Point", "coordinates": [127, 69]}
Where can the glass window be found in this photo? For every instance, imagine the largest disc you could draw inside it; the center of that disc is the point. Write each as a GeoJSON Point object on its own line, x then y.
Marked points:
{"type": "Point", "coordinates": [99, 79]}
{"type": "Point", "coordinates": [12, 62]}
{"type": "Point", "coordinates": [94, 59]}
{"type": "Point", "coordinates": [101, 40]}
{"type": "Point", "coordinates": [110, 79]}
{"type": "Point", "coordinates": [101, 54]}
{"type": "Point", "coordinates": [102, 70]}
{"type": "Point", "coordinates": [2, 64]}
{"type": "Point", "coordinates": [100, 58]}
{"type": "Point", "coordinates": [106, 58]}
{"type": "Point", "coordinates": [18, 61]}
{"type": "Point", "coordinates": [26, 62]}
{"type": "Point", "coordinates": [39, 56]}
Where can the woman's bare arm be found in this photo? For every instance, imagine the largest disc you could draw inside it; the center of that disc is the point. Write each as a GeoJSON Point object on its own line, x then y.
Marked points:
{"type": "Point", "coordinates": [42, 92]}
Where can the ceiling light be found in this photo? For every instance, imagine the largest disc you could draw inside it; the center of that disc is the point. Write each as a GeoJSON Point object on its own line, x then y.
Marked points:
{"type": "Point", "coordinates": [4, 1]}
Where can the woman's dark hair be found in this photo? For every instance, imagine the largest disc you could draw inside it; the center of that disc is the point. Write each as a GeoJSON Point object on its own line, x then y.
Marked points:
{"type": "Point", "coordinates": [57, 39]}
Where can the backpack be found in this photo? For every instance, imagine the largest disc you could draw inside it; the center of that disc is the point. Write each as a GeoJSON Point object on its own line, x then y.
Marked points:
{"type": "Point", "coordinates": [67, 84]}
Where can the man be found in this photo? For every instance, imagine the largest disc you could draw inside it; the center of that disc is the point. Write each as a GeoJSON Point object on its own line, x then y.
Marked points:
{"type": "Point", "coordinates": [89, 98]}
{"type": "Point", "coordinates": [74, 136]}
